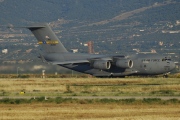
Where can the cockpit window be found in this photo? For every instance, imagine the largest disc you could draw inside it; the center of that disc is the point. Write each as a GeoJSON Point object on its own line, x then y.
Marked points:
{"type": "Point", "coordinates": [166, 59]}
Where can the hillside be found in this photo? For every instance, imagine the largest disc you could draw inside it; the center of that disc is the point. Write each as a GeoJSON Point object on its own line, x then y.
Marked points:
{"type": "Point", "coordinates": [115, 26]}
{"type": "Point", "coordinates": [104, 20]}
{"type": "Point", "coordinates": [17, 11]}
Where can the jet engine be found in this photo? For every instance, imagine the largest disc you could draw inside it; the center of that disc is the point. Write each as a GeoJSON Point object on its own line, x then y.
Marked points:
{"type": "Point", "coordinates": [124, 63]}
{"type": "Point", "coordinates": [101, 64]}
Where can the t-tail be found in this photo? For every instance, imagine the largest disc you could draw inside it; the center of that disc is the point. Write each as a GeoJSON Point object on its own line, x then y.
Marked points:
{"type": "Point", "coordinates": [47, 38]}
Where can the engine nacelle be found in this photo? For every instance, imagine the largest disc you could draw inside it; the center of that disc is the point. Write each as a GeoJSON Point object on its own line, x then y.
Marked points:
{"type": "Point", "coordinates": [124, 63]}
{"type": "Point", "coordinates": [101, 64]}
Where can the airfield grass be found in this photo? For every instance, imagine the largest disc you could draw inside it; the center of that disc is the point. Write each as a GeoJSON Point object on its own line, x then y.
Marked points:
{"type": "Point", "coordinates": [90, 87]}
{"type": "Point", "coordinates": [67, 108]}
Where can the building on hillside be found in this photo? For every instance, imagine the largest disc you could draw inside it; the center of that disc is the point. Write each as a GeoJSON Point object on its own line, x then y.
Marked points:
{"type": "Point", "coordinates": [5, 51]}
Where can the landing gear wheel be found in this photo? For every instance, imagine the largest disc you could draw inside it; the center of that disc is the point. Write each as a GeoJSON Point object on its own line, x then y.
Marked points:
{"type": "Point", "coordinates": [165, 76]}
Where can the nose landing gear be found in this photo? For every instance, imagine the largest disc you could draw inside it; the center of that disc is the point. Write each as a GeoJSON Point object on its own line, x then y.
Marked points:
{"type": "Point", "coordinates": [165, 76]}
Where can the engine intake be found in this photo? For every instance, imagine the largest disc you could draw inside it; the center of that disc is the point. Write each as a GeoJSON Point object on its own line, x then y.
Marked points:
{"type": "Point", "coordinates": [101, 64]}
{"type": "Point", "coordinates": [124, 63]}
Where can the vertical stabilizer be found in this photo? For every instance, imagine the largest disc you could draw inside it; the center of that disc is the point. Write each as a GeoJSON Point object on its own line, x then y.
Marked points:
{"type": "Point", "coordinates": [47, 38]}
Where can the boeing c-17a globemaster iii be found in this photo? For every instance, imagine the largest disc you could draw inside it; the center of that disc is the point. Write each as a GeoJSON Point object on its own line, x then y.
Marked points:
{"type": "Point", "coordinates": [98, 65]}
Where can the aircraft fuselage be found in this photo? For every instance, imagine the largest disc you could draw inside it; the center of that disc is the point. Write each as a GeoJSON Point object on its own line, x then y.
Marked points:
{"type": "Point", "coordinates": [143, 64]}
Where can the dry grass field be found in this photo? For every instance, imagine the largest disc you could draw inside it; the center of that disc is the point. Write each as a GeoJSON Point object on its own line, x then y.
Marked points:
{"type": "Point", "coordinates": [90, 87]}
{"type": "Point", "coordinates": [10, 87]}
{"type": "Point", "coordinates": [89, 111]}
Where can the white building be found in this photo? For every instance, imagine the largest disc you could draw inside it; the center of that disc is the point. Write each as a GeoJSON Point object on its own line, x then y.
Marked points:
{"type": "Point", "coordinates": [178, 22]}
{"type": "Point", "coordinates": [5, 51]}
{"type": "Point", "coordinates": [74, 50]}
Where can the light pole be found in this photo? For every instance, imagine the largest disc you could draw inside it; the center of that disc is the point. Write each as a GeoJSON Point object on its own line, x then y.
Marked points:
{"type": "Point", "coordinates": [17, 71]}
{"type": "Point", "coordinates": [43, 73]}
{"type": "Point", "coordinates": [72, 73]}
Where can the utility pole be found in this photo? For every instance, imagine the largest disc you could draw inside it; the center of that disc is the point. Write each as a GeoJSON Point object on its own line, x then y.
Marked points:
{"type": "Point", "coordinates": [17, 70]}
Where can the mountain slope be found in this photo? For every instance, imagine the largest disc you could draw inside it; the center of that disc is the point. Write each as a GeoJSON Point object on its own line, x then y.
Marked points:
{"type": "Point", "coordinates": [24, 11]}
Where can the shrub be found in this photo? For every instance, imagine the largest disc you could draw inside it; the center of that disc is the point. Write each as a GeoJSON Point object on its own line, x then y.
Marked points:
{"type": "Point", "coordinates": [163, 92]}
{"type": "Point", "coordinates": [151, 100]}
{"type": "Point", "coordinates": [105, 100]}
{"type": "Point", "coordinates": [5, 100]}
{"type": "Point", "coordinates": [24, 76]}
{"type": "Point", "coordinates": [40, 99]}
{"type": "Point", "coordinates": [68, 89]}
{"type": "Point", "coordinates": [173, 101]}
{"type": "Point", "coordinates": [58, 100]}
{"type": "Point", "coordinates": [127, 101]}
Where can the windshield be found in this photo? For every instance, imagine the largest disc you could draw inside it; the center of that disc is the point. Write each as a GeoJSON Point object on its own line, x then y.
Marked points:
{"type": "Point", "coordinates": [166, 59]}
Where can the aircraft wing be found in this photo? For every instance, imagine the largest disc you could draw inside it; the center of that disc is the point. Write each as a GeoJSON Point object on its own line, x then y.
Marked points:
{"type": "Point", "coordinates": [89, 60]}
{"type": "Point", "coordinates": [69, 62]}
{"type": "Point", "coordinates": [77, 61]}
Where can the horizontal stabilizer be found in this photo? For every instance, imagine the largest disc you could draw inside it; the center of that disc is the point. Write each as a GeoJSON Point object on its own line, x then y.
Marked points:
{"type": "Point", "coordinates": [39, 25]}
{"type": "Point", "coordinates": [42, 58]}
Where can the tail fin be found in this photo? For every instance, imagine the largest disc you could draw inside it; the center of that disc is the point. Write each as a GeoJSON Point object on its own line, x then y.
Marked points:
{"type": "Point", "coordinates": [47, 38]}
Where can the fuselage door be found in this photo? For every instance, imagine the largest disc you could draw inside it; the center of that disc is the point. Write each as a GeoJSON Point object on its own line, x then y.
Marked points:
{"type": "Point", "coordinates": [167, 66]}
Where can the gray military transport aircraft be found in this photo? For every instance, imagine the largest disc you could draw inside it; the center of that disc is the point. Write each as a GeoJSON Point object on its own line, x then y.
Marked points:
{"type": "Point", "coordinates": [98, 65]}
